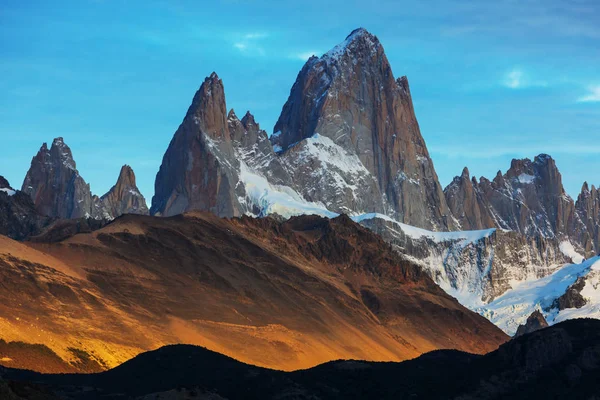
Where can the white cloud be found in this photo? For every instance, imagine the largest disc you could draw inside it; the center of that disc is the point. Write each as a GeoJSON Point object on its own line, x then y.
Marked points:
{"type": "Point", "coordinates": [304, 55]}
{"type": "Point", "coordinates": [516, 78]}
{"type": "Point", "coordinates": [249, 43]}
{"type": "Point", "coordinates": [592, 96]}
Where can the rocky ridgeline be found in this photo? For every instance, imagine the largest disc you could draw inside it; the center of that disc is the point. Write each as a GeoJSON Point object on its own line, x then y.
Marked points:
{"type": "Point", "coordinates": [58, 191]}
{"type": "Point", "coordinates": [529, 199]}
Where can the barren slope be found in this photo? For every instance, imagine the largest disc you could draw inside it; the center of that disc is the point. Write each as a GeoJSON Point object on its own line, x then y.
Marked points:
{"type": "Point", "coordinates": [282, 295]}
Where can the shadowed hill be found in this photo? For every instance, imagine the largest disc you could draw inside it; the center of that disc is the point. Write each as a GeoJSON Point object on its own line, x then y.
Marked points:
{"type": "Point", "coordinates": [562, 361]}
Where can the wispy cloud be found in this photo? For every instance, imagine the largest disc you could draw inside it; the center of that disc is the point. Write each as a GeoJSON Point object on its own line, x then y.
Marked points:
{"type": "Point", "coordinates": [517, 78]}
{"type": "Point", "coordinates": [250, 43]}
{"type": "Point", "coordinates": [304, 55]}
{"type": "Point", "coordinates": [593, 95]}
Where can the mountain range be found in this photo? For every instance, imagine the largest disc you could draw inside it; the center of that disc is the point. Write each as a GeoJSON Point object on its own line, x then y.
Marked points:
{"type": "Point", "coordinates": [346, 150]}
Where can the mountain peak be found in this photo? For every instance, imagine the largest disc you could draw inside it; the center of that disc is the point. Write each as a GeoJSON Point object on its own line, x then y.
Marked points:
{"type": "Point", "coordinates": [359, 41]}
{"type": "Point", "coordinates": [123, 198]}
{"type": "Point", "coordinates": [249, 120]}
{"type": "Point", "coordinates": [126, 176]}
{"type": "Point", "coordinates": [543, 159]}
{"type": "Point", "coordinates": [55, 186]}
{"type": "Point", "coordinates": [357, 33]}
{"type": "Point", "coordinates": [208, 109]}
{"type": "Point", "coordinates": [62, 152]}
{"type": "Point", "coordinates": [585, 187]}
{"type": "Point", "coordinates": [465, 173]}
{"type": "Point", "coordinates": [231, 115]}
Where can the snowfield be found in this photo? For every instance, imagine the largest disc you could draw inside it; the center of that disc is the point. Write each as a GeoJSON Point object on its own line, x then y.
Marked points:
{"type": "Point", "coordinates": [513, 307]}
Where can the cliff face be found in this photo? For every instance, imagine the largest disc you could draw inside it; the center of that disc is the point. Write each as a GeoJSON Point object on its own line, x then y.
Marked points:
{"type": "Point", "coordinates": [199, 171]}
{"type": "Point", "coordinates": [588, 213]}
{"type": "Point", "coordinates": [348, 103]}
{"type": "Point", "coordinates": [54, 184]}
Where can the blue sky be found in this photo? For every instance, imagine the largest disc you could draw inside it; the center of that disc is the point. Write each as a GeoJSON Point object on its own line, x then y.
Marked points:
{"type": "Point", "coordinates": [491, 81]}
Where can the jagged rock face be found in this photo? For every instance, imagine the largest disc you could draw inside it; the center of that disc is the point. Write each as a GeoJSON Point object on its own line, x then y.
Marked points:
{"type": "Point", "coordinates": [199, 170]}
{"type": "Point", "coordinates": [18, 217]}
{"type": "Point", "coordinates": [529, 199]}
{"type": "Point", "coordinates": [476, 267]}
{"type": "Point", "coordinates": [350, 97]}
{"type": "Point", "coordinates": [535, 322]}
{"type": "Point", "coordinates": [467, 203]}
{"type": "Point", "coordinates": [254, 150]}
{"type": "Point", "coordinates": [588, 212]}
{"type": "Point", "coordinates": [123, 198]}
{"type": "Point", "coordinates": [54, 184]}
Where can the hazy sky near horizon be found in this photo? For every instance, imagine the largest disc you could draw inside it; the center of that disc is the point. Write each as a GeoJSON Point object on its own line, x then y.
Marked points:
{"type": "Point", "coordinates": [491, 81]}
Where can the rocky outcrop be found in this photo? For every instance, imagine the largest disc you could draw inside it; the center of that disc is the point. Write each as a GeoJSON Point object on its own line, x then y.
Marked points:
{"type": "Point", "coordinates": [588, 213]}
{"type": "Point", "coordinates": [19, 218]}
{"type": "Point", "coordinates": [572, 297]}
{"type": "Point", "coordinates": [348, 103]}
{"type": "Point", "coordinates": [55, 186]}
{"type": "Point", "coordinates": [123, 198]}
{"type": "Point", "coordinates": [535, 322]}
{"type": "Point", "coordinates": [199, 171]}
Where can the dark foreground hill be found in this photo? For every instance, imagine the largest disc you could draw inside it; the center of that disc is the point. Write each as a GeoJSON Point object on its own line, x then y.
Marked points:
{"type": "Point", "coordinates": [559, 362]}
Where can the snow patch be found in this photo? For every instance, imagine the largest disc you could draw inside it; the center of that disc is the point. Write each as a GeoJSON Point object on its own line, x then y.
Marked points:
{"type": "Point", "coordinates": [568, 250]}
{"type": "Point", "coordinates": [526, 178]}
{"type": "Point", "coordinates": [275, 199]}
{"type": "Point", "coordinates": [8, 191]}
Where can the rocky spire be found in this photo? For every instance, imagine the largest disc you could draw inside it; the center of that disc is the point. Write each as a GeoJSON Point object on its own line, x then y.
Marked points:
{"type": "Point", "coordinates": [466, 204]}
{"type": "Point", "coordinates": [588, 212]}
{"type": "Point", "coordinates": [199, 169]}
{"type": "Point", "coordinates": [123, 198]}
{"type": "Point", "coordinates": [350, 97]}
{"type": "Point", "coordinates": [54, 184]}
